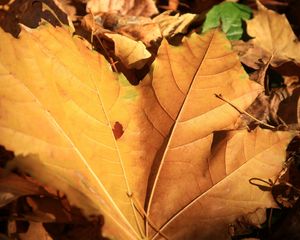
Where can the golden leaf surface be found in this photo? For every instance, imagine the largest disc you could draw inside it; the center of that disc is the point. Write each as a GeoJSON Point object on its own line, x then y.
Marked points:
{"type": "Point", "coordinates": [59, 101]}
{"type": "Point", "coordinates": [59, 106]}
{"type": "Point", "coordinates": [220, 184]}
{"type": "Point", "coordinates": [183, 112]}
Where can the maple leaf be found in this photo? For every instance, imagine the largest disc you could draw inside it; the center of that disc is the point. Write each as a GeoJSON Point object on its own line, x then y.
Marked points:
{"type": "Point", "coordinates": [182, 178]}
{"type": "Point", "coordinates": [60, 108]}
{"type": "Point", "coordinates": [62, 103]}
{"type": "Point", "coordinates": [274, 40]}
{"type": "Point", "coordinates": [222, 190]}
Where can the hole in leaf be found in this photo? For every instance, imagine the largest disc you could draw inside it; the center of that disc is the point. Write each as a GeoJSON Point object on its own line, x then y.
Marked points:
{"type": "Point", "coordinates": [118, 130]}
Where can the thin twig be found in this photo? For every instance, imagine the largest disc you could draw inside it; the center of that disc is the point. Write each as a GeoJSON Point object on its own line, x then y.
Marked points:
{"type": "Point", "coordinates": [244, 112]}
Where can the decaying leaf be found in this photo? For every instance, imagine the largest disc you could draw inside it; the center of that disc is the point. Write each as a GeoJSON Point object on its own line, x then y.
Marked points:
{"type": "Point", "coordinates": [177, 155]}
{"type": "Point", "coordinates": [145, 8]}
{"type": "Point", "coordinates": [144, 29]}
{"type": "Point", "coordinates": [132, 53]}
{"type": "Point", "coordinates": [35, 231]}
{"type": "Point", "coordinates": [171, 25]}
{"type": "Point", "coordinates": [273, 38]}
{"type": "Point", "coordinates": [245, 224]}
{"type": "Point", "coordinates": [68, 8]}
{"type": "Point", "coordinates": [12, 187]}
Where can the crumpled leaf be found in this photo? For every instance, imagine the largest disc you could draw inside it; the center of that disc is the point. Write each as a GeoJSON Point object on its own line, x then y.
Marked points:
{"type": "Point", "coordinates": [132, 53]}
{"type": "Point", "coordinates": [273, 38]}
{"type": "Point", "coordinates": [172, 25]}
{"type": "Point", "coordinates": [144, 29]}
{"type": "Point", "coordinates": [145, 8]}
{"type": "Point", "coordinates": [229, 15]}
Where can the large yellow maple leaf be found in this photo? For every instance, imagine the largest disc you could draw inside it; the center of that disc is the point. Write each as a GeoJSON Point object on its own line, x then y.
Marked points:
{"type": "Point", "coordinates": [60, 102]}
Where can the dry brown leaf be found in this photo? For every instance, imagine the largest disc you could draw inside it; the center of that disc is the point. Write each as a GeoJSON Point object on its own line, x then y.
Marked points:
{"type": "Point", "coordinates": [12, 187]}
{"type": "Point", "coordinates": [67, 7]}
{"type": "Point", "coordinates": [171, 25]}
{"type": "Point", "coordinates": [147, 30]}
{"type": "Point", "coordinates": [133, 54]}
{"type": "Point", "coordinates": [273, 38]}
{"type": "Point", "coordinates": [136, 28]}
{"type": "Point", "coordinates": [250, 55]}
{"type": "Point", "coordinates": [163, 157]}
{"type": "Point", "coordinates": [145, 8]}
{"type": "Point", "coordinates": [36, 231]}
{"type": "Point", "coordinates": [260, 109]}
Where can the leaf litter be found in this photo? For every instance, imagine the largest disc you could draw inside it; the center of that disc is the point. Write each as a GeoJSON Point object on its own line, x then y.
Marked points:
{"type": "Point", "coordinates": [170, 158]}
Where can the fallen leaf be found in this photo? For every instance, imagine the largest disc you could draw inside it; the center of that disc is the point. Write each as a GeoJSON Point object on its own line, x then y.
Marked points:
{"type": "Point", "coordinates": [67, 7]}
{"type": "Point", "coordinates": [13, 186]}
{"type": "Point", "coordinates": [287, 105]}
{"type": "Point", "coordinates": [260, 109]}
{"type": "Point", "coordinates": [245, 224]}
{"type": "Point", "coordinates": [223, 192]}
{"type": "Point", "coordinates": [30, 13]}
{"type": "Point", "coordinates": [256, 218]}
{"type": "Point", "coordinates": [36, 231]}
{"type": "Point", "coordinates": [145, 8]}
{"type": "Point", "coordinates": [229, 15]}
{"type": "Point", "coordinates": [147, 30]}
{"type": "Point", "coordinates": [59, 107]}
{"type": "Point", "coordinates": [136, 28]}
{"type": "Point", "coordinates": [250, 55]}
{"type": "Point", "coordinates": [133, 54]}
{"type": "Point", "coordinates": [273, 38]}
{"type": "Point", "coordinates": [171, 25]}
{"type": "Point", "coordinates": [68, 92]}
{"type": "Point", "coordinates": [180, 172]}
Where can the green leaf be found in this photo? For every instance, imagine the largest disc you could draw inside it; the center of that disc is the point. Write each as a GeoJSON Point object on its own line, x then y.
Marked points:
{"type": "Point", "coordinates": [230, 16]}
